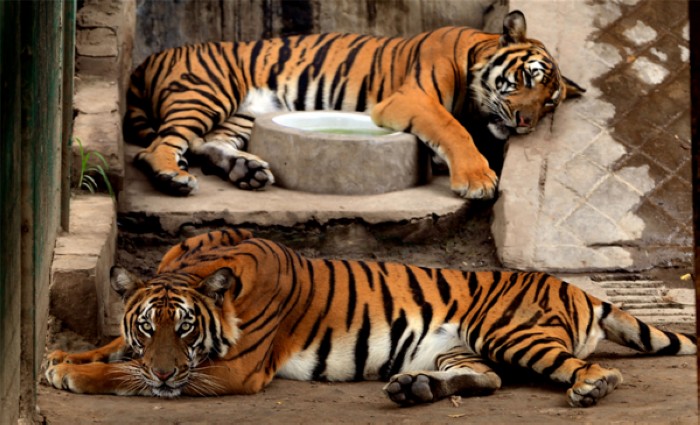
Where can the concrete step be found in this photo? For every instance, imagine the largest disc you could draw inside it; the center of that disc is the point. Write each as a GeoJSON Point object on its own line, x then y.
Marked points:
{"type": "Point", "coordinates": [640, 306]}
{"type": "Point", "coordinates": [627, 292]}
{"type": "Point", "coordinates": [636, 284]}
{"type": "Point", "coordinates": [637, 300]}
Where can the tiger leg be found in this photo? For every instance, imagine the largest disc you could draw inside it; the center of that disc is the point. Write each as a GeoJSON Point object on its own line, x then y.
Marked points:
{"type": "Point", "coordinates": [413, 111]}
{"type": "Point", "coordinates": [110, 352]}
{"type": "Point", "coordinates": [458, 372]}
{"type": "Point", "coordinates": [121, 378]}
{"type": "Point", "coordinates": [222, 151]}
{"type": "Point", "coordinates": [589, 381]}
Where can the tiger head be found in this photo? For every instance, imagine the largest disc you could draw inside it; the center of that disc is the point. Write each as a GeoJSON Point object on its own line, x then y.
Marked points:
{"type": "Point", "coordinates": [172, 325]}
{"type": "Point", "coordinates": [520, 83]}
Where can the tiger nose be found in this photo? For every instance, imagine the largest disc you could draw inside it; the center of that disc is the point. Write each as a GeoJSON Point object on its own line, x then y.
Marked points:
{"type": "Point", "coordinates": [163, 375]}
{"type": "Point", "coordinates": [524, 120]}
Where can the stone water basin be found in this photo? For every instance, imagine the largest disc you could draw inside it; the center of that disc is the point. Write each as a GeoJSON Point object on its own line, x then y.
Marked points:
{"type": "Point", "coordinates": [338, 153]}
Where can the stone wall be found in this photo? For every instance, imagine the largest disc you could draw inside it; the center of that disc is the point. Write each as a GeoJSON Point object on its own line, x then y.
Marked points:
{"type": "Point", "coordinates": [171, 23]}
{"type": "Point", "coordinates": [104, 42]}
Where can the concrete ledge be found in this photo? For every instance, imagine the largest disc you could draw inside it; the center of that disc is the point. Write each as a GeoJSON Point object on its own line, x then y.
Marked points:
{"type": "Point", "coordinates": [217, 199]}
{"type": "Point", "coordinates": [80, 296]}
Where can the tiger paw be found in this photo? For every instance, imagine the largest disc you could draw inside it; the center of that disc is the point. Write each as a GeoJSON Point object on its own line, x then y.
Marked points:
{"type": "Point", "coordinates": [56, 357]}
{"type": "Point", "coordinates": [56, 375]}
{"type": "Point", "coordinates": [170, 180]}
{"type": "Point", "coordinates": [408, 389]}
{"type": "Point", "coordinates": [249, 172]}
{"type": "Point", "coordinates": [587, 392]}
{"type": "Point", "coordinates": [480, 184]}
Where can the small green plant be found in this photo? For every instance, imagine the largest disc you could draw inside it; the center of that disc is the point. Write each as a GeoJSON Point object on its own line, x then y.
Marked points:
{"type": "Point", "coordinates": [88, 171]}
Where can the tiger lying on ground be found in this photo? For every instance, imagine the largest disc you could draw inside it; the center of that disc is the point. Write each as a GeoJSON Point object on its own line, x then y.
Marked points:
{"type": "Point", "coordinates": [204, 98]}
{"type": "Point", "coordinates": [226, 313]}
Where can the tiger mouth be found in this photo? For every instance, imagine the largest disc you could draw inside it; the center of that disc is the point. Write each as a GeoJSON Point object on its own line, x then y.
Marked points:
{"type": "Point", "coordinates": [166, 391]}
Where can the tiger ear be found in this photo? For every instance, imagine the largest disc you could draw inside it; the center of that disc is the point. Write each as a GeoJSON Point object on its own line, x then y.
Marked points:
{"type": "Point", "coordinates": [124, 283]}
{"type": "Point", "coordinates": [514, 29]}
{"type": "Point", "coordinates": [572, 89]}
{"type": "Point", "coordinates": [216, 284]}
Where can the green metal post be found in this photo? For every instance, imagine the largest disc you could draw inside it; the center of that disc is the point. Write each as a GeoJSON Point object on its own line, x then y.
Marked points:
{"type": "Point", "coordinates": [10, 262]}
{"type": "Point", "coordinates": [67, 92]}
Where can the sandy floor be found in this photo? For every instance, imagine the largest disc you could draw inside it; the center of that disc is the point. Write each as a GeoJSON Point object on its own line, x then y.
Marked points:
{"type": "Point", "coordinates": [655, 390]}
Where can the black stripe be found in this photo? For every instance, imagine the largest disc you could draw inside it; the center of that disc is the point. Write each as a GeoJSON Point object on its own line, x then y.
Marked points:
{"type": "Point", "coordinates": [645, 335]}
{"type": "Point", "coordinates": [427, 316]}
{"type": "Point", "coordinates": [397, 330]}
{"type": "Point", "coordinates": [443, 287]}
{"type": "Point", "coordinates": [415, 287]}
{"type": "Point", "coordinates": [558, 362]}
{"type": "Point", "coordinates": [362, 346]}
{"type": "Point", "coordinates": [387, 299]}
{"type": "Point", "coordinates": [318, 104]}
{"type": "Point", "coordinates": [331, 285]}
{"type": "Point", "coordinates": [312, 334]}
{"type": "Point", "coordinates": [368, 273]}
{"type": "Point", "coordinates": [302, 88]}
{"type": "Point", "coordinates": [673, 346]}
{"type": "Point", "coordinates": [451, 312]}
{"type": "Point", "coordinates": [361, 103]}
{"type": "Point", "coordinates": [322, 355]}
{"type": "Point", "coordinates": [352, 294]}
{"type": "Point", "coordinates": [398, 361]}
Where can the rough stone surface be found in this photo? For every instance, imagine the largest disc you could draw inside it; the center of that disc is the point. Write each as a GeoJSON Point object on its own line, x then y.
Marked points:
{"type": "Point", "coordinates": [606, 185]}
{"type": "Point", "coordinates": [96, 95]}
{"type": "Point", "coordinates": [97, 42]}
{"type": "Point", "coordinates": [100, 132]}
{"type": "Point", "coordinates": [80, 296]}
{"type": "Point", "coordinates": [217, 199]}
{"type": "Point", "coordinates": [341, 164]}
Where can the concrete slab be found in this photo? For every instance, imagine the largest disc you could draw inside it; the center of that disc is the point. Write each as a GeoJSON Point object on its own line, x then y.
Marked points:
{"type": "Point", "coordinates": [217, 199]}
{"type": "Point", "coordinates": [593, 190]}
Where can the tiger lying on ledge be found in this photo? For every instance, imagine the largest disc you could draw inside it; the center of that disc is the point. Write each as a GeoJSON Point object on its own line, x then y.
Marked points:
{"type": "Point", "coordinates": [226, 313]}
{"type": "Point", "coordinates": [204, 98]}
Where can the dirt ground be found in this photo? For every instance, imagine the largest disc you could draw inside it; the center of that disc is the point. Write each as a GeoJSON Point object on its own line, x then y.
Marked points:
{"type": "Point", "coordinates": [655, 389]}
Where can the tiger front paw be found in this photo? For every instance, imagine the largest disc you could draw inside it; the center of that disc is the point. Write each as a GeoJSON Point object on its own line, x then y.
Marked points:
{"type": "Point", "coordinates": [57, 375]}
{"type": "Point", "coordinates": [56, 357]}
{"type": "Point", "coordinates": [168, 179]}
{"type": "Point", "coordinates": [475, 184]}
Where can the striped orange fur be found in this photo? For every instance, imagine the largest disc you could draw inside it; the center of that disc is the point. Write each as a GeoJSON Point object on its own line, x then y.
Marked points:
{"type": "Point", "coordinates": [227, 312]}
{"type": "Point", "coordinates": [204, 98]}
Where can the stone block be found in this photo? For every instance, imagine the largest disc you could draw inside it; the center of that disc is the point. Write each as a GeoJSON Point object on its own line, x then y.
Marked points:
{"type": "Point", "coordinates": [105, 67]}
{"type": "Point", "coordinates": [97, 42]}
{"type": "Point", "coordinates": [99, 14]}
{"type": "Point", "coordinates": [100, 132]}
{"type": "Point", "coordinates": [96, 95]}
{"type": "Point", "coordinates": [73, 293]}
{"type": "Point", "coordinates": [80, 291]}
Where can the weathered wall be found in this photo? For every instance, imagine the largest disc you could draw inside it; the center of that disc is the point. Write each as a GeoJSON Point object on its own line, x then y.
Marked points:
{"type": "Point", "coordinates": [10, 295]}
{"type": "Point", "coordinates": [171, 23]}
{"type": "Point", "coordinates": [104, 41]}
{"type": "Point", "coordinates": [33, 39]}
